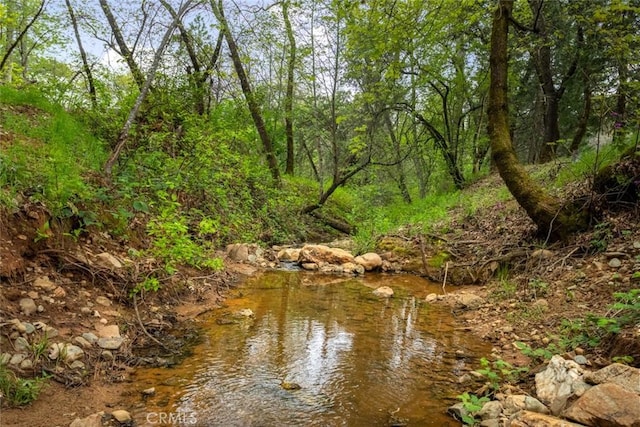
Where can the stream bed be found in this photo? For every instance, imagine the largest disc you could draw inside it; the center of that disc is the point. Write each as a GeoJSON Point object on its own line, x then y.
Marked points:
{"type": "Point", "coordinates": [317, 351]}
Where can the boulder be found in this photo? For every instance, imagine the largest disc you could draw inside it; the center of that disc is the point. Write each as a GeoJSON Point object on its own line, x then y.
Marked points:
{"type": "Point", "coordinates": [558, 382]}
{"type": "Point", "coordinates": [289, 255]}
{"type": "Point", "coordinates": [370, 261]}
{"type": "Point", "coordinates": [238, 252]}
{"type": "Point", "coordinates": [320, 254]}
{"type": "Point", "coordinates": [535, 419]}
{"type": "Point", "coordinates": [625, 376]}
{"type": "Point", "coordinates": [490, 410]}
{"type": "Point", "coordinates": [606, 405]}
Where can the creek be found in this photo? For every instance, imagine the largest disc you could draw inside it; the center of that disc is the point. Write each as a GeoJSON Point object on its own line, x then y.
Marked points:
{"type": "Point", "coordinates": [317, 351]}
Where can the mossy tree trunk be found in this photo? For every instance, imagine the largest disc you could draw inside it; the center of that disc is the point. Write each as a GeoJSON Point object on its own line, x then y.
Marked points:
{"type": "Point", "coordinates": [552, 218]}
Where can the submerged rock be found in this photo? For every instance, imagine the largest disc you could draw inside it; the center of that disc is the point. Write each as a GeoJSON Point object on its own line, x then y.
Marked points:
{"type": "Point", "coordinates": [383, 292]}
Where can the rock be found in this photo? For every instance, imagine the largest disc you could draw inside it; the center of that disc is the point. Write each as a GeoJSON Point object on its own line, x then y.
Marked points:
{"type": "Point", "coordinates": [54, 351]}
{"type": "Point", "coordinates": [617, 373]}
{"type": "Point", "coordinates": [383, 292]}
{"type": "Point", "coordinates": [5, 358]}
{"type": "Point", "coordinates": [21, 345]}
{"type": "Point", "coordinates": [82, 342]}
{"type": "Point", "coordinates": [29, 328]}
{"type": "Point", "coordinates": [108, 331]}
{"type": "Point", "coordinates": [539, 254]}
{"type": "Point", "coordinates": [26, 364]}
{"type": "Point", "coordinates": [238, 252]}
{"type": "Point", "coordinates": [149, 391]}
{"type": "Point", "coordinates": [320, 254]}
{"type": "Point", "coordinates": [245, 312]}
{"type": "Point", "coordinates": [468, 301]}
{"type": "Point", "coordinates": [534, 419]}
{"type": "Point", "coordinates": [558, 382]}
{"type": "Point", "coordinates": [289, 255]}
{"type": "Point", "coordinates": [40, 309]}
{"type": "Point", "coordinates": [78, 365]}
{"type": "Point", "coordinates": [606, 405]}
{"type": "Point", "coordinates": [33, 294]}
{"type": "Point", "coordinates": [352, 268]}
{"type": "Point", "coordinates": [103, 301]}
{"type": "Point", "coordinates": [90, 337]}
{"type": "Point", "coordinates": [110, 343]}
{"type": "Point", "coordinates": [107, 260]}
{"type": "Point", "coordinates": [44, 283]}
{"type": "Point", "coordinates": [94, 420]}
{"type": "Point", "coordinates": [71, 353]}
{"type": "Point", "coordinates": [521, 402]}
{"type": "Point", "coordinates": [17, 359]}
{"type": "Point", "coordinates": [491, 422]}
{"type": "Point", "coordinates": [121, 416]}
{"type": "Point", "coordinates": [431, 298]}
{"type": "Point", "coordinates": [311, 266]}
{"type": "Point", "coordinates": [28, 306]}
{"type": "Point", "coordinates": [457, 411]}
{"type": "Point", "coordinates": [615, 263]}
{"type": "Point", "coordinates": [107, 355]}
{"type": "Point", "coordinates": [370, 261]}
{"type": "Point", "coordinates": [490, 410]}
{"type": "Point", "coordinates": [580, 360]}
{"type": "Point", "coordinates": [541, 303]}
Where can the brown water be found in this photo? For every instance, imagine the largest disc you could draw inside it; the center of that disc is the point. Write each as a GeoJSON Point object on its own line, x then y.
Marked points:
{"type": "Point", "coordinates": [359, 360]}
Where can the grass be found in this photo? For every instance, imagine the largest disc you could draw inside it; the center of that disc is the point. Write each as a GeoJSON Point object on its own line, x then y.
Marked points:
{"type": "Point", "coordinates": [46, 152]}
{"type": "Point", "coordinates": [19, 391]}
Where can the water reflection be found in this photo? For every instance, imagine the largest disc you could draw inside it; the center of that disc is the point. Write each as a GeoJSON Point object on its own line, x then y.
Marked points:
{"type": "Point", "coordinates": [356, 358]}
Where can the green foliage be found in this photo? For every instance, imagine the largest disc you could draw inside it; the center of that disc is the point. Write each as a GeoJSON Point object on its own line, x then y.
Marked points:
{"type": "Point", "coordinates": [602, 235]}
{"type": "Point", "coordinates": [499, 371]}
{"type": "Point", "coordinates": [539, 354]}
{"type": "Point", "coordinates": [19, 391]}
{"type": "Point", "coordinates": [172, 242]}
{"type": "Point", "coordinates": [49, 154]}
{"type": "Point", "coordinates": [472, 405]}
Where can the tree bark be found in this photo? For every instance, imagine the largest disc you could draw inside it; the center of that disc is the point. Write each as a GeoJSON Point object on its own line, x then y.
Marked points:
{"type": "Point", "coordinates": [555, 221]}
{"type": "Point", "coordinates": [83, 55]}
{"type": "Point", "coordinates": [254, 108]}
{"type": "Point", "coordinates": [552, 96]}
{"type": "Point", "coordinates": [288, 100]}
{"type": "Point", "coordinates": [126, 53]}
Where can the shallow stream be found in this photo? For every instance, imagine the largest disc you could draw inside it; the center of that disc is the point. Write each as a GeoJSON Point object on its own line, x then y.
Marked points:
{"type": "Point", "coordinates": [318, 351]}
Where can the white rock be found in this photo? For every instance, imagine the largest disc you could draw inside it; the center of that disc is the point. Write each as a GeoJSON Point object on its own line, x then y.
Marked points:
{"type": "Point", "coordinates": [383, 292]}
{"type": "Point", "coordinates": [558, 382]}
{"type": "Point", "coordinates": [28, 306]}
{"type": "Point", "coordinates": [107, 260]}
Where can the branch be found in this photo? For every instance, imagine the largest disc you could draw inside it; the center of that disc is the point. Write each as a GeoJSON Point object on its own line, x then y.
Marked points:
{"type": "Point", "coordinates": [9, 51]}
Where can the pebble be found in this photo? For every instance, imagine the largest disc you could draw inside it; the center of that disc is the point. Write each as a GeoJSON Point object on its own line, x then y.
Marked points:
{"type": "Point", "coordinates": [77, 365]}
{"type": "Point", "coordinates": [28, 327]}
{"type": "Point", "coordinates": [17, 359]}
{"type": "Point", "coordinates": [636, 245]}
{"type": "Point", "coordinates": [40, 309]}
{"type": "Point", "coordinates": [615, 263]}
{"type": "Point", "coordinates": [4, 358]}
{"type": "Point", "coordinates": [149, 391]}
{"type": "Point", "coordinates": [85, 310]}
{"type": "Point", "coordinates": [72, 353]}
{"type": "Point", "coordinates": [580, 360]}
{"type": "Point", "coordinates": [90, 337]}
{"type": "Point", "coordinates": [112, 343]}
{"type": "Point", "coordinates": [28, 306]}
{"type": "Point", "coordinates": [107, 355]}
{"type": "Point", "coordinates": [82, 342]}
{"type": "Point", "coordinates": [20, 327]}
{"type": "Point", "coordinates": [33, 294]}
{"type": "Point", "coordinates": [44, 283]}
{"type": "Point", "coordinates": [59, 292]}
{"type": "Point", "coordinates": [104, 301]}
{"type": "Point", "coordinates": [121, 416]}
{"type": "Point", "coordinates": [21, 344]}
{"type": "Point", "coordinates": [26, 364]}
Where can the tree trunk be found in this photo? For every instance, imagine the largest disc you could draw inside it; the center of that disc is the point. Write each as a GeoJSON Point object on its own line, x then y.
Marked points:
{"type": "Point", "coordinates": [553, 220]}
{"type": "Point", "coordinates": [254, 108]}
{"type": "Point", "coordinates": [12, 44]}
{"type": "Point", "coordinates": [83, 55]}
{"type": "Point", "coordinates": [138, 77]}
{"type": "Point", "coordinates": [288, 100]}
{"type": "Point", "coordinates": [124, 133]}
